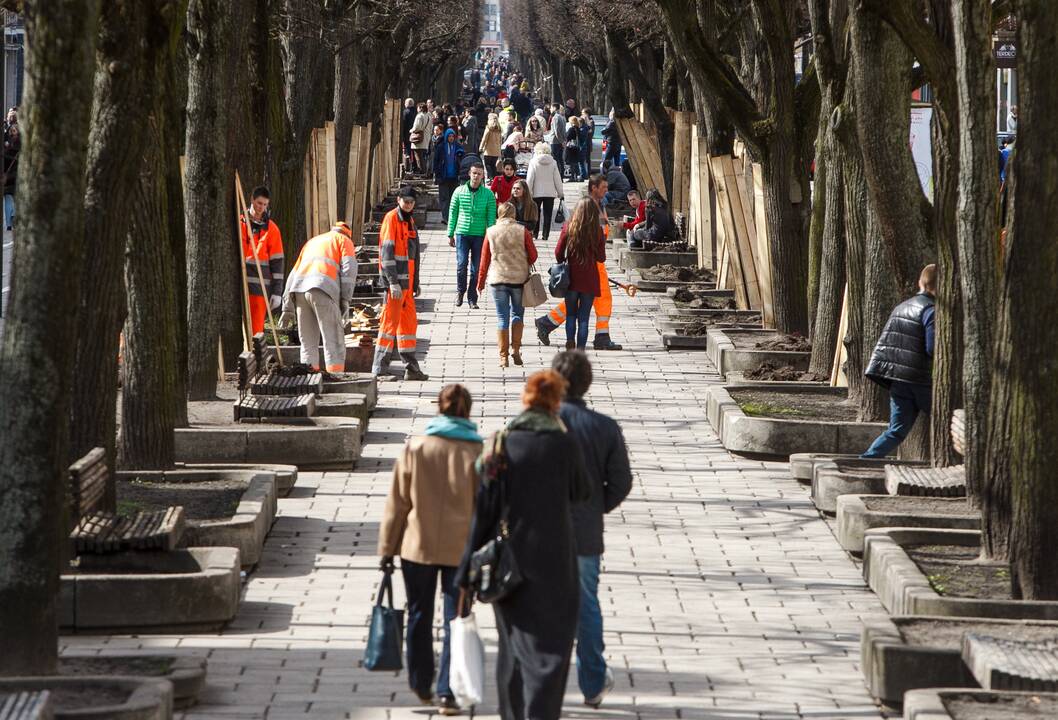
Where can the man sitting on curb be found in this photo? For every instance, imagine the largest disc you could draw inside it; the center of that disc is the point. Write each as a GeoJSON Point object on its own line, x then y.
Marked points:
{"type": "Point", "coordinates": [902, 362]}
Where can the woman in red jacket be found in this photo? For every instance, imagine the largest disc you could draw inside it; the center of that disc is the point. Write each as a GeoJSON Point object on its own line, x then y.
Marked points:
{"type": "Point", "coordinates": [502, 184]}
{"type": "Point", "coordinates": [581, 245]}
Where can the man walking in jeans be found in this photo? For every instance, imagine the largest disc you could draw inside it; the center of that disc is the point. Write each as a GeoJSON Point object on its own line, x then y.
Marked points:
{"type": "Point", "coordinates": [472, 212]}
{"type": "Point", "coordinates": [902, 362]}
{"type": "Point", "coordinates": [606, 461]}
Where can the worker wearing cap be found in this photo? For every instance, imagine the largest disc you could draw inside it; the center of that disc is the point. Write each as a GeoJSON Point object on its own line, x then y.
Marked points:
{"type": "Point", "coordinates": [263, 251]}
{"type": "Point", "coordinates": [603, 303]}
{"type": "Point", "coordinates": [320, 289]}
{"type": "Point", "coordinates": [398, 261]}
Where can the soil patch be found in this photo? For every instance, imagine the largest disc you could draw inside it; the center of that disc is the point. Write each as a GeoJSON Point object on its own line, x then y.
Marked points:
{"type": "Point", "coordinates": [101, 665]}
{"type": "Point", "coordinates": [938, 633]}
{"type": "Point", "coordinates": [685, 297]}
{"type": "Point", "coordinates": [209, 500]}
{"type": "Point", "coordinates": [793, 405]}
{"type": "Point", "coordinates": [773, 371]}
{"type": "Point", "coordinates": [956, 571]}
{"type": "Point", "coordinates": [678, 274]}
{"type": "Point", "coordinates": [88, 695]}
{"type": "Point", "coordinates": [700, 326]}
{"type": "Point", "coordinates": [789, 343]}
{"type": "Point", "coordinates": [665, 246]}
{"type": "Point", "coordinates": [1000, 707]}
{"type": "Point", "coordinates": [943, 507]}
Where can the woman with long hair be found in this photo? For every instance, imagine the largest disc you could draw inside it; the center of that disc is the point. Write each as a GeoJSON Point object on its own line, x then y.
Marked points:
{"type": "Point", "coordinates": [491, 140]}
{"type": "Point", "coordinates": [533, 132]}
{"type": "Point", "coordinates": [581, 245]}
{"type": "Point", "coordinates": [526, 210]}
{"type": "Point", "coordinates": [426, 523]}
{"type": "Point", "coordinates": [532, 472]}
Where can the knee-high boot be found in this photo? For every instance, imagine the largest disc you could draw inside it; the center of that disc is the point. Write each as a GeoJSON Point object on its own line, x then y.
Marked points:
{"type": "Point", "coordinates": [516, 341]}
{"type": "Point", "coordinates": [503, 341]}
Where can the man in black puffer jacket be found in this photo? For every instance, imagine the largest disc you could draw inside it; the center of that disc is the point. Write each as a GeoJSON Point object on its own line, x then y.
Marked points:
{"type": "Point", "coordinates": [903, 362]}
{"type": "Point", "coordinates": [606, 460]}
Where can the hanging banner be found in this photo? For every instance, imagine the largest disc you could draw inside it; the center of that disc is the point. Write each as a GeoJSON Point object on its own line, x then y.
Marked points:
{"type": "Point", "coordinates": [921, 147]}
{"type": "Point", "coordinates": [1006, 52]}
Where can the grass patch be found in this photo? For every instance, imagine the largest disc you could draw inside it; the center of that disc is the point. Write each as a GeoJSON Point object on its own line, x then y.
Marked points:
{"type": "Point", "coordinates": [128, 508]}
{"type": "Point", "coordinates": [766, 409]}
{"type": "Point", "coordinates": [939, 583]}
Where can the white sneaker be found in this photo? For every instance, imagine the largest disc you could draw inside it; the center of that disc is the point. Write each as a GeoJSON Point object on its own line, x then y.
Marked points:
{"type": "Point", "coordinates": [608, 685]}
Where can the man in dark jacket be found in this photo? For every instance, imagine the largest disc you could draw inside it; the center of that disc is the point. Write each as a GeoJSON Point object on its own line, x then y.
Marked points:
{"type": "Point", "coordinates": [903, 362]}
{"type": "Point", "coordinates": [606, 461]}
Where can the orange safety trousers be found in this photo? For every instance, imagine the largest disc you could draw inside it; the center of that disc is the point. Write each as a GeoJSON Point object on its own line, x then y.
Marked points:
{"type": "Point", "coordinates": [603, 305]}
{"type": "Point", "coordinates": [398, 324]}
{"type": "Point", "coordinates": [258, 313]}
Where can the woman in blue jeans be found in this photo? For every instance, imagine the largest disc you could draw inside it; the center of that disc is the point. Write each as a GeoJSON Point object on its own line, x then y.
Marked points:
{"type": "Point", "coordinates": [506, 256]}
{"type": "Point", "coordinates": [581, 245]}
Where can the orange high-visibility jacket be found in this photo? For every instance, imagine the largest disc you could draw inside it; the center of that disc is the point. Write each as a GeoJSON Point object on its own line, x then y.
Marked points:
{"type": "Point", "coordinates": [327, 262]}
{"type": "Point", "coordinates": [398, 250]}
{"type": "Point", "coordinates": [267, 245]}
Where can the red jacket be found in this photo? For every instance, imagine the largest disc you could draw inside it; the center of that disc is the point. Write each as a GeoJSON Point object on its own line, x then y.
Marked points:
{"type": "Point", "coordinates": [501, 187]}
{"type": "Point", "coordinates": [641, 215]}
{"type": "Point", "coordinates": [583, 272]}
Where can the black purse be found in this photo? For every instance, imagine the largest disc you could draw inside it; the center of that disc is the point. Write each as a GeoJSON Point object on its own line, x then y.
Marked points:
{"type": "Point", "coordinates": [385, 638]}
{"type": "Point", "coordinates": [494, 572]}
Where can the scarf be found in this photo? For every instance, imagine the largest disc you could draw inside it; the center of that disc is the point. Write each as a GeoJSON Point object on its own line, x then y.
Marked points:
{"type": "Point", "coordinates": [493, 459]}
{"type": "Point", "coordinates": [453, 428]}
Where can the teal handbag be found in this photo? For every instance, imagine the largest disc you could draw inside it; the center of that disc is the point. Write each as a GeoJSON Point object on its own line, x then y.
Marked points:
{"type": "Point", "coordinates": [385, 639]}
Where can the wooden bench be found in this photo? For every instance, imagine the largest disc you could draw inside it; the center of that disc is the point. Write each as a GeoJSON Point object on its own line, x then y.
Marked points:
{"type": "Point", "coordinates": [958, 431]}
{"type": "Point", "coordinates": [29, 705]}
{"type": "Point", "coordinates": [253, 406]}
{"type": "Point", "coordinates": [926, 481]}
{"type": "Point", "coordinates": [1003, 664]}
{"type": "Point", "coordinates": [271, 382]}
{"type": "Point", "coordinates": [100, 532]}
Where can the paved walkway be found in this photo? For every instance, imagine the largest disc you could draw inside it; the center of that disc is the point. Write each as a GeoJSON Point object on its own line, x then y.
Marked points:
{"type": "Point", "coordinates": [724, 593]}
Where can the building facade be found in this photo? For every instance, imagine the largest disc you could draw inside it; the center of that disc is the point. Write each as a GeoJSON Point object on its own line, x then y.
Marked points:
{"type": "Point", "coordinates": [491, 34]}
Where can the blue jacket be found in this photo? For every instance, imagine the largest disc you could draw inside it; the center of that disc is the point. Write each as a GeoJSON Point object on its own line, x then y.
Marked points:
{"type": "Point", "coordinates": [446, 158]}
{"type": "Point", "coordinates": [606, 460]}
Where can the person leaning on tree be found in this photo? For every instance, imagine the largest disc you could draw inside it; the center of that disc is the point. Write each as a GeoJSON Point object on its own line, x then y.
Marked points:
{"type": "Point", "coordinates": [902, 362]}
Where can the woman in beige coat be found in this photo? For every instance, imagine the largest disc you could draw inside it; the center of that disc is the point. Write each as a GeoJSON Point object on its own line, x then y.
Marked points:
{"type": "Point", "coordinates": [505, 259]}
{"type": "Point", "coordinates": [490, 144]}
{"type": "Point", "coordinates": [426, 523]}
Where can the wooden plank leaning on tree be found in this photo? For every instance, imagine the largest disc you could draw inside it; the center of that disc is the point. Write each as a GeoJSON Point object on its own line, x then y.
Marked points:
{"type": "Point", "coordinates": [682, 164]}
{"type": "Point", "coordinates": [837, 373]}
{"type": "Point", "coordinates": [732, 268]}
{"type": "Point", "coordinates": [642, 151]}
{"type": "Point", "coordinates": [331, 175]}
{"type": "Point", "coordinates": [363, 170]}
{"type": "Point", "coordinates": [738, 232]}
{"type": "Point", "coordinates": [323, 209]}
{"type": "Point", "coordinates": [760, 224]}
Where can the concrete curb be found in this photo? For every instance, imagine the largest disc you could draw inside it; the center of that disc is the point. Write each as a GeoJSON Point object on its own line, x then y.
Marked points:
{"type": "Point", "coordinates": [184, 600]}
{"type": "Point", "coordinates": [802, 465]}
{"type": "Point", "coordinates": [738, 377]}
{"type": "Point", "coordinates": [726, 357]}
{"type": "Point", "coordinates": [854, 519]}
{"type": "Point", "coordinates": [830, 481]}
{"type": "Point", "coordinates": [774, 436]}
{"type": "Point", "coordinates": [321, 442]}
{"type": "Point", "coordinates": [638, 259]}
{"type": "Point", "coordinates": [929, 704]}
{"type": "Point", "coordinates": [904, 590]}
{"type": "Point", "coordinates": [187, 673]}
{"type": "Point", "coordinates": [350, 405]}
{"type": "Point", "coordinates": [286, 475]}
{"type": "Point", "coordinates": [149, 698]}
{"type": "Point", "coordinates": [364, 383]}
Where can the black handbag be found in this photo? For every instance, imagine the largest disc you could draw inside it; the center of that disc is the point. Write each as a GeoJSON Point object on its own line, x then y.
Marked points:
{"type": "Point", "coordinates": [494, 572]}
{"type": "Point", "coordinates": [386, 636]}
{"type": "Point", "coordinates": [560, 214]}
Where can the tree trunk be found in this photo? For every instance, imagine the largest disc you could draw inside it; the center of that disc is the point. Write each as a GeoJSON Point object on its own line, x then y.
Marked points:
{"type": "Point", "coordinates": [1024, 407]}
{"type": "Point", "coordinates": [37, 351]}
{"type": "Point", "coordinates": [786, 237]}
{"type": "Point", "coordinates": [209, 221]}
{"type": "Point", "coordinates": [977, 235]}
{"type": "Point", "coordinates": [831, 263]}
{"type": "Point", "coordinates": [128, 43]}
{"type": "Point", "coordinates": [149, 370]}
{"type": "Point", "coordinates": [816, 227]}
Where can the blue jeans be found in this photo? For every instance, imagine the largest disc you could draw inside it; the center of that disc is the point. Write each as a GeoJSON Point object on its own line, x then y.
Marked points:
{"type": "Point", "coordinates": [591, 667]}
{"type": "Point", "coordinates": [420, 585]}
{"type": "Point", "coordinates": [578, 312]}
{"type": "Point", "coordinates": [585, 161]}
{"type": "Point", "coordinates": [9, 211]}
{"type": "Point", "coordinates": [906, 401]}
{"type": "Point", "coordinates": [508, 303]}
{"type": "Point", "coordinates": [468, 251]}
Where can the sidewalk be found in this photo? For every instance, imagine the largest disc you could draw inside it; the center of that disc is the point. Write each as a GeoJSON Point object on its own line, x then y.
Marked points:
{"type": "Point", "coordinates": [724, 594]}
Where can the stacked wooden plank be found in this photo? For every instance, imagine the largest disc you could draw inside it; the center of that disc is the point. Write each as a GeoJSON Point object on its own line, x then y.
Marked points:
{"type": "Point", "coordinates": [108, 533]}
{"type": "Point", "coordinates": [642, 149]}
{"type": "Point", "coordinates": [926, 482]}
{"type": "Point", "coordinates": [272, 406]}
{"type": "Point", "coordinates": [321, 182]}
{"type": "Point", "coordinates": [701, 205]}
{"type": "Point", "coordinates": [738, 258]}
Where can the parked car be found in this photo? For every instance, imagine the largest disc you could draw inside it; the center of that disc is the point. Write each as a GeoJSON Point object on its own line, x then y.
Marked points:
{"type": "Point", "coordinates": [599, 144]}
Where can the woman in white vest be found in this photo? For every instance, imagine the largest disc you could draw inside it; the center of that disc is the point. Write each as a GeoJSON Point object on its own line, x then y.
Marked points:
{"type": "Point", "coordinates": [505, 259]}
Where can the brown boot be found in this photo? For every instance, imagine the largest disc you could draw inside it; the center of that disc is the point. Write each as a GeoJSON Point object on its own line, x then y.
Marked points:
{"type": "Point", "coordinates": [503, 340]}
{"type": "Point", "coordinates": [516, 341]}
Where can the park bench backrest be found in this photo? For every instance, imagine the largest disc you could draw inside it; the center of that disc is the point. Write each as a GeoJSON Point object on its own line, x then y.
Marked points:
{"type": "Point", "coordinates": [247, 370]}
{"type": "Point", "coordinates": [88, 481]}
{"type": "Point", "coordinates": [25, 705]}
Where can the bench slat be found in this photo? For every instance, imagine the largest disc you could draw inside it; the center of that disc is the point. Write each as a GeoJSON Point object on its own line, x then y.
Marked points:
{"type": "Point", "coordinates": [1005, 664]}
{"type": "Point", "coordinates": [26, 705]}
{"type": "Point", "coordinates": [926, 482]}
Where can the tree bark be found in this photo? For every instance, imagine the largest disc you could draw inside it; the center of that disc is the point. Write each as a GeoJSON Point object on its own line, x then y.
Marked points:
{"type": "Point", "coordinates": [149, 372]}
{"type": "Point", "coordinates": [977, 235]}
{"type": "Point", "coordinates": [1024, 407]}
{"type": "Point", "coordinates": [37, 353]}
{"type": "Point", "coordinates": [210, 244]}
{"type": "Point", "coordinates": [128, 42]}
{"type": "Point", "coordinates": [831, 274]}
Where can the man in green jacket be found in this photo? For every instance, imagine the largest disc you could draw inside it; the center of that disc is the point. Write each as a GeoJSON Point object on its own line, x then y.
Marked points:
{"type": "Point", "coordinates": [473, 210]}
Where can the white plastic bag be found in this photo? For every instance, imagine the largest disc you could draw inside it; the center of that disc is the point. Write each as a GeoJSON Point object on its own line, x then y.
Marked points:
{"type": "Point", "coordinates": [466, 673]}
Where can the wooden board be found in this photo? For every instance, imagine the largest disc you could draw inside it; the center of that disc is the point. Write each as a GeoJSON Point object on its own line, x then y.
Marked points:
{"type": "Point", "coordinates": [320, 171]}
{"type": "Point", "coordinates": [837, 373]}
{"type": "Point", "coordinates": [642, 149]}
{"type": "Point", "coordinates": [732, 271]}
{"type": "Point", "coordinates": [738, 233]}
{"type": "Point", "coordinates": [332, 174]}
{"type": "Point", "coordinates": [764, 266]}
{"type": "Point", "coordinates": [681, 166]}
{"type": "Point", "coordinates": [363, 177]}
{"type": "Point", "coordinates": [704, 196]}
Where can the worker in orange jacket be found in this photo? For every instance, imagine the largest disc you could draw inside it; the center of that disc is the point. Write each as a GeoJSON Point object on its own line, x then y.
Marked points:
{"type": "Point", "coordinates": [603, 304]}
{"type": "Point", "coordinates": [398, 262]}
{"type": "Point", "coordinates": [319, 290]}
{"type": "Point", "coordinates": [264, 248]}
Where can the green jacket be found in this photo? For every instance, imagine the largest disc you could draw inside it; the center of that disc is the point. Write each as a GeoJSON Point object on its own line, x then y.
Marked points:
{"type": "Point", "coordinates": [471, 213]}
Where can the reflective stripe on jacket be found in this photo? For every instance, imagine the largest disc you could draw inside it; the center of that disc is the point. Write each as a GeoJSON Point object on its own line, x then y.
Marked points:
{"type": "Point", "coordinates": [398, 250]}
{"type": "Point", "coordinates": [327, 262]}
{"type": "Point", "coordinates": [268, 247]}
